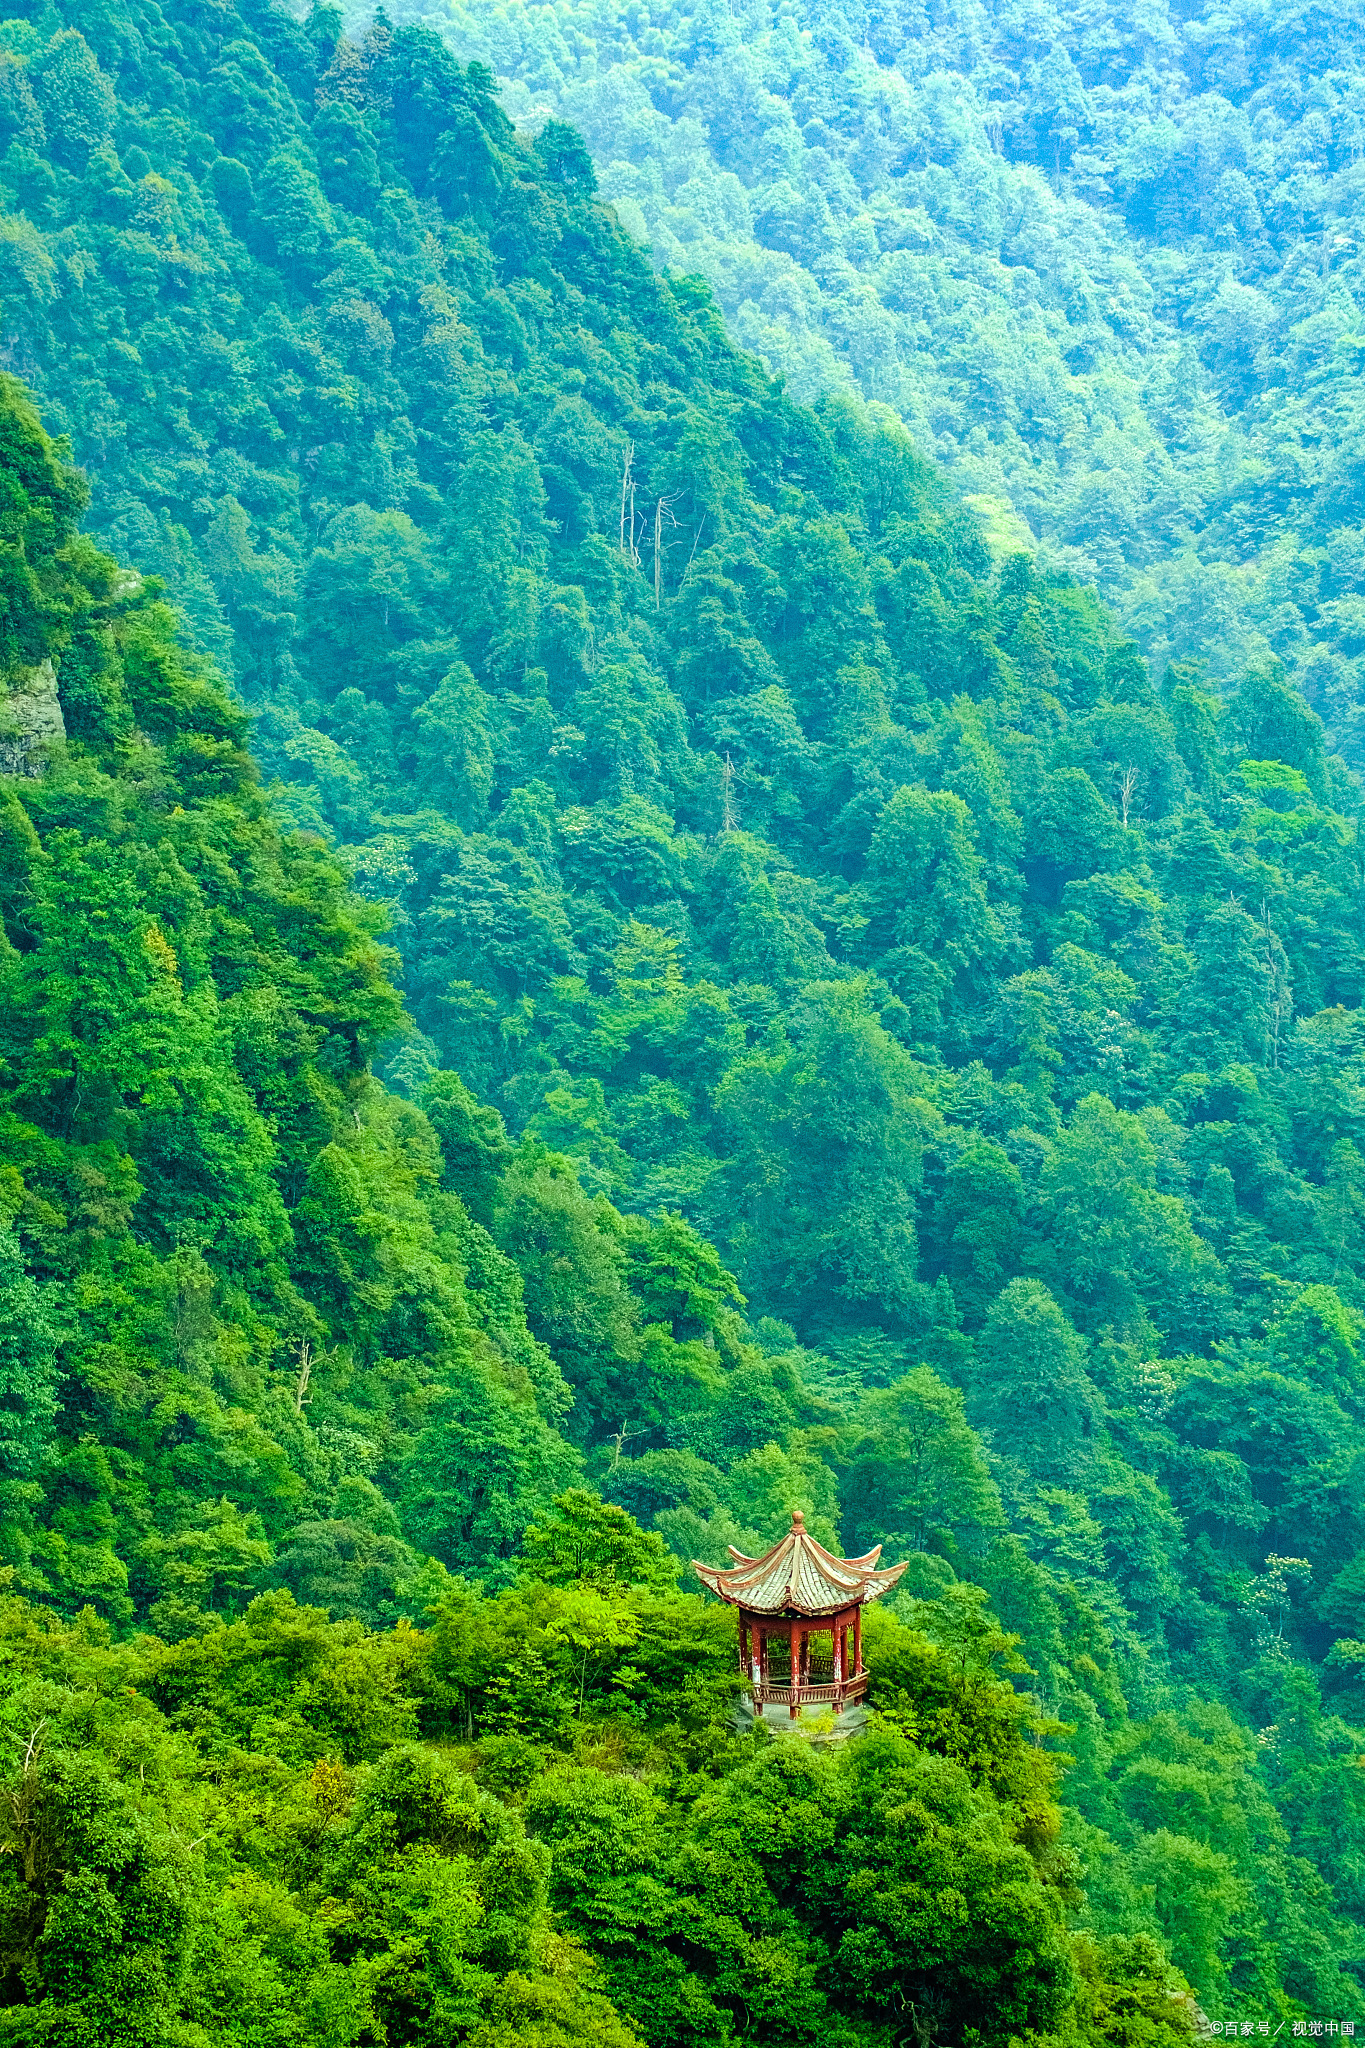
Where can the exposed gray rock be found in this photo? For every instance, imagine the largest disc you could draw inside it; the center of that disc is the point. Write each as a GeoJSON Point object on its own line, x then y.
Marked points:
{"type": "Point", "coordinates": [30, 720]}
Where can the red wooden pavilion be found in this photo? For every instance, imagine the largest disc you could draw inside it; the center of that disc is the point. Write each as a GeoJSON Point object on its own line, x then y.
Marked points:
{"type": "Point", "coordinates": [795, 1595]}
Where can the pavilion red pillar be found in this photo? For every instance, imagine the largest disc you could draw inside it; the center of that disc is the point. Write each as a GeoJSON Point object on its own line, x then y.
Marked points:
{"type": "Point", "coordinates": [857, 1641]}
{"type": "Point", "coordinates": [796, 1671]}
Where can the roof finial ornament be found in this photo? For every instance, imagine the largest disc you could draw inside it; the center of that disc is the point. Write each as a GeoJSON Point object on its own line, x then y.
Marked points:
{"type": "Point", "coordinates": [798, 1519]}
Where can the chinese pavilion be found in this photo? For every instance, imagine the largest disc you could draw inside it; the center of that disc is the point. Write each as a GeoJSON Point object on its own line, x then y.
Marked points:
{"type": "Point", "coordinates": [791, 1599]}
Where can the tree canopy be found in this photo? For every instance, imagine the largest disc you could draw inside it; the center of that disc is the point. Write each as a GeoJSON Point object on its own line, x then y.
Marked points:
{"type": "Point", "coordinates": [586, 963]}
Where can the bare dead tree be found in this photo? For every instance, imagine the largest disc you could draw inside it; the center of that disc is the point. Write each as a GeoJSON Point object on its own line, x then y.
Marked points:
{"type": "Point", "coordinates": [695, 538]}
{"type": "Point", "coordinates": [728, 819]}
{"type": "Point", "coordinates": [1128, 782]}
{"type": "Point", "coordinates": [618, 1441]}
{"type": "Point", "coordinates": [21, 1815]}
{"type": "Point", "coordinates": [663, 510]}
{"type": "Point", "coordinates": [627, 464]}
{"type": "Point", "coordinates": [628, 522]}
{"type": "Point", "coordinates": [305, 1357]}
{"type": "Point", "coordinates": [1281, 991]}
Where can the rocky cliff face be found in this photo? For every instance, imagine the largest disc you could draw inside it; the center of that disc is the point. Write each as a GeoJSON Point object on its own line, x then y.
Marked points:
{"type": "Point", "coordinates": [30, 720]}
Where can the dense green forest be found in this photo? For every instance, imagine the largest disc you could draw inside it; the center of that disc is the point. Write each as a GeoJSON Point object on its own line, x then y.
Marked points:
{"type": "Point", "coordinates": [1105, 261]}
{"type": "Point", "coordinates": [729, 995]}
{"type": "Point", "coordinates": [260, 1361]}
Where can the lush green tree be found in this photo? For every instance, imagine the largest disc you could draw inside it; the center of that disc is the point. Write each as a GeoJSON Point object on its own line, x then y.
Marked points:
{"type": "Point", "coordinates": [570, 1254]}
{"type": "Point", "coordinates": [826, 1103]}
{"type": "Point", "coordinates": [1121, 1247]}
{"type": "Point", "coordinates": [28, 1365]}
{"type": "Point", "coordinates": [1034, 1394]}
{"type": "Point", "coordinates": [915, 1476]}
{"type": "Point", "coordinates": [587, 1541]}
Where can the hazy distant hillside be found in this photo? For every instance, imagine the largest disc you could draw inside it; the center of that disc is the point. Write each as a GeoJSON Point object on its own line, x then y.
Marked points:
{"type": "Point", "coordinates": [1106, 262]}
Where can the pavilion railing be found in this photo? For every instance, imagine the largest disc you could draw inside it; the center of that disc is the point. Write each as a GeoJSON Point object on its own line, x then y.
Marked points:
{"type": "Point", "coordinates": [812, 1695]}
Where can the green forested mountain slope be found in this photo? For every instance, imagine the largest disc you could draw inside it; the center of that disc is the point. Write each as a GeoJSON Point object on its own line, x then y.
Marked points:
{"type": "Point", "coordinates": [361, 1869]}
{"type": "Point", "coordinates": [225, 1220]}
{"type": "Point", "coordinates": [1105, 261]}
{"type": "Point", "coordinates": [251, 1338]}
{"type": "Point", "coordinates": [874, 1050]}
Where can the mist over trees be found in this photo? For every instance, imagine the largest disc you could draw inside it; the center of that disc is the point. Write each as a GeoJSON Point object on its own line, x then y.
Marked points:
{"type": "Point", "coordinates": [1104, 262]}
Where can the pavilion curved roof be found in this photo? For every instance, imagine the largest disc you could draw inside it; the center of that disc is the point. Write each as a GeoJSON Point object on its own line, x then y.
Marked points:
{"type": "Point", "coordinates": [799, 1575]}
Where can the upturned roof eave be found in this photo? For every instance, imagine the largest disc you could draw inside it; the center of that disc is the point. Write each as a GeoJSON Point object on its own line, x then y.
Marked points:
{"type": "Point", "coordinates": [788, 1610]}
{"type": "Point", "coordinates": [773, 1584]}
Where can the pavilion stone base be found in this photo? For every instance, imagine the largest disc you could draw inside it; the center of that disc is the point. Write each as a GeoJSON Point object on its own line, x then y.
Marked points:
{"type": "Point", "coordinates": [814, 1723]}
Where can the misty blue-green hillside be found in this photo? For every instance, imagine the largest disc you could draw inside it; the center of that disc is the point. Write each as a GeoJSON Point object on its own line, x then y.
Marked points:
{"type": "Point", "coordinates": [1105, 263]}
